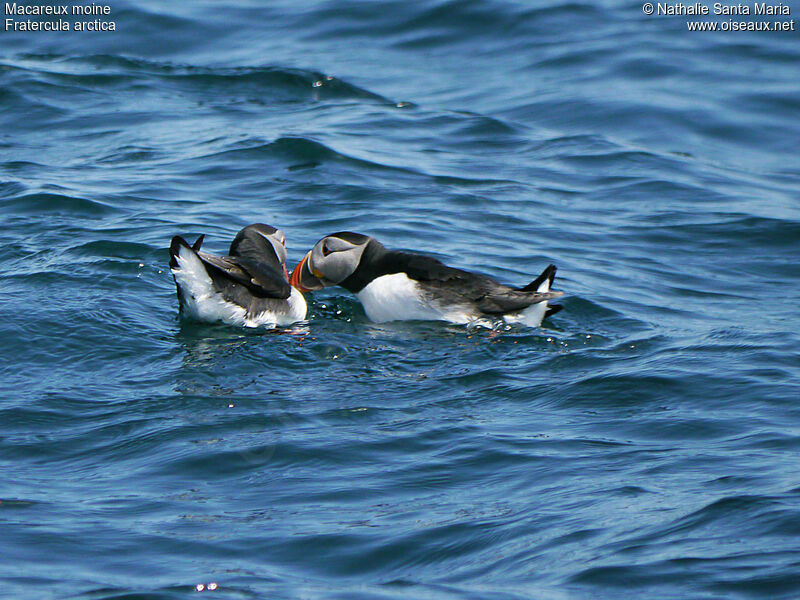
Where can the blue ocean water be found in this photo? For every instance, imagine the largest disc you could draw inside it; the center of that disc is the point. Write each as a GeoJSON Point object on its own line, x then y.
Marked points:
{"type": "Point", "coordinates": [642, 444]}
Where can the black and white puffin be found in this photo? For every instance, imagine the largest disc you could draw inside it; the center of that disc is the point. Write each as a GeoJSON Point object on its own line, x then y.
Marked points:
{"type": "Point", "coordinates": [249, 287]}
{"type": "Point", "coordinates": [396, 286]}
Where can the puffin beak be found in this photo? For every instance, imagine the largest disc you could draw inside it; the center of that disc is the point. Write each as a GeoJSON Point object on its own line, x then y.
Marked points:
{"type": "Point", "coordinates": [303, 279]}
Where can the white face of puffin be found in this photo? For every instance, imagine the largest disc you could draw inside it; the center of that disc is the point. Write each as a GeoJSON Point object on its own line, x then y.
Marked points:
{"type": "Point", "coordinates": [332, 260]}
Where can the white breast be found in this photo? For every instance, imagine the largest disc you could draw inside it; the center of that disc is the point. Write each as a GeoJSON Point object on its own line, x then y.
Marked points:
{"type": "Point", "coordinates": [396, 297]}
{"type": "Point", "coordinates": [291, 310]}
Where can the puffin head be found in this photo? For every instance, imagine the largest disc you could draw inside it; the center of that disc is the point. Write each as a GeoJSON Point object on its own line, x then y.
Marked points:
{"type": "Point", "coordinates": [332, 260]}
{"type": "Point", "coordinates": [259, 240]}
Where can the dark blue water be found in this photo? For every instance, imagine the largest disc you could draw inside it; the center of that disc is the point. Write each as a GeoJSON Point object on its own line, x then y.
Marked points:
{"type": "Point", "coordinates": [645, 443]}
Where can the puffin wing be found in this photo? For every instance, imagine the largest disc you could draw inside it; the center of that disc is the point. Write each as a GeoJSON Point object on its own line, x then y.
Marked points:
{"type": "Point", "coordinates": [497, 303]}
{"type": "Point", "coordinates": [265, 280]}
{"type": "Point", "coordinates": [223, 265]}
{"type": "Point", "coordinates": [426, 269]}
{"type": "Point", "coordinates": [258, 277]}
{"type": "Point", "coordinates": [488, 295]}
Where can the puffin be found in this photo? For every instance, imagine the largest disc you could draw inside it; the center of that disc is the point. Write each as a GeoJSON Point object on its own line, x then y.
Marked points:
{"type": "Point", "coordinates": [393, 285]}
{"type": "Point", "coordinates": [248, 288]}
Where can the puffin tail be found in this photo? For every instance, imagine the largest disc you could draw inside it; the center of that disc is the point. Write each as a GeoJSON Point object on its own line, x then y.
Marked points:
{"type": "Point", "coordinates": [191, 277]}
{"type": "Point", "coordinates": [175, 250]}
{"type": "Point", "coordinates": [543, 282]}
{"type": "Point", "coordinates": [552, 309]}
{"type": "Point", "coordinates": [198, 242]}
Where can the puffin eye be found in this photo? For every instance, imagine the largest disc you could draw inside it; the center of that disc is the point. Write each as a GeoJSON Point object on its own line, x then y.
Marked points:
{"type": "Point", "coordinates": [325, 250]}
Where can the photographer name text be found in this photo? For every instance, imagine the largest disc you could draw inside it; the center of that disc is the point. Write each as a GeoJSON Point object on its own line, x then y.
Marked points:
{"type": "Point", "coordinates": [718, 8]}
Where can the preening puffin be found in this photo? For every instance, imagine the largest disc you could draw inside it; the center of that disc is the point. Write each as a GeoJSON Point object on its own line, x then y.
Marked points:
{"type": "Point", "coordinates": [394, 285]}
{"type": "Point", "coordinates": [249, 287]}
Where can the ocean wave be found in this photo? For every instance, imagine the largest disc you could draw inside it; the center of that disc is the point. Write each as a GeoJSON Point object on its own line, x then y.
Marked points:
{"type": "Point", "coordinates": [58, 204]}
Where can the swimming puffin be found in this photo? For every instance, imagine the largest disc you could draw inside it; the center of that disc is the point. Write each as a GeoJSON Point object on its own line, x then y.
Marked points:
{"type": "Point", "coordinates": [249, 287]}
{"type": "Point", "coordinates": [396, 286]}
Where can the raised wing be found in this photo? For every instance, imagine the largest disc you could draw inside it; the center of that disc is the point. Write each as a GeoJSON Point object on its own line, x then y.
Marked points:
{"type": "Point", "coordinates": [258, 277]}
